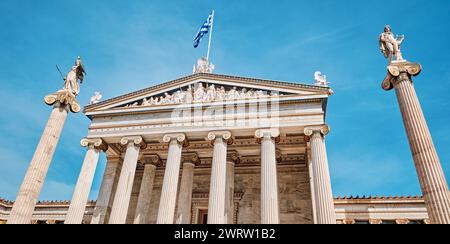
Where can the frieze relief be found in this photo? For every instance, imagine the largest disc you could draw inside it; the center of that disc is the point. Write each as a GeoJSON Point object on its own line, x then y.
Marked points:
{"type": "Point", "coordinates": [203, 93]}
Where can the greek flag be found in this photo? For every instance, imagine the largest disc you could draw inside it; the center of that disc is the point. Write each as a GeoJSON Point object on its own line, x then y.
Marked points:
{"type": "Point", "coordinates": [204, 30]}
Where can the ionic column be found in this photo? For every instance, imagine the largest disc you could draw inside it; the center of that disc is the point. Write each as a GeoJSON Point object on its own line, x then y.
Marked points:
{"type": "Point", "coordinates": [107, 191]}
{"type": "Point", "coordinates": [269, 183]}
{"type": "Point", "coordinates": [125, 185]}
{"type": "Point", "coordinates": [216, 207]}
{"type": "Point", "coordinates": [324, 202]}
{"type": "Point", "coordinates": [187, 181]}
{"type": "Point", "coordinates": [142, 214]}
{"type": "Point", "coordinates": [232, 160]}
{"type": "Point", "coordinates": [429, 170]}
{"type": "Point", "coordinates": [22, 211]}
{"type": "Point", "coordinates": [168, 200]}
{"type": "Point", "coordinates": [80, 197]}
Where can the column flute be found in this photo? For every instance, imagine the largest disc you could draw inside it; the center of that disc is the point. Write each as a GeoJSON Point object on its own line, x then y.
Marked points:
{"type": "Point", "coordinates": [323, 193]}
{"type": "Point", "coordinates": [62, 101]}
{"type": "Point", "coordinates": [217, 192]}
{"type": "Point", "coordinates": [429, 170]}
{"type": "Point", "coordinates": [270, 210]}
{"type": "Point", "coordinates": [83, 187]}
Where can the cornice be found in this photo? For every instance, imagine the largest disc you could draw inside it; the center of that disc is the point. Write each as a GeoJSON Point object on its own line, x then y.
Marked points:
{"type": "Point", "coordinates": [217, 77]}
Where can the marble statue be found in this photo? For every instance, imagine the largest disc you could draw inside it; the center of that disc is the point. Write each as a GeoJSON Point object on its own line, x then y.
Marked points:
{"type": "Point", "coordinates": [203, 66]}
{"type": "Point", "coordinates": [390, 45]}
{"type": "Point", "coordinates": [320, 79]}
{"type": "Point", "coordinates": [96, 98]}
{"type": "Point", "coordinates": [75, 74]}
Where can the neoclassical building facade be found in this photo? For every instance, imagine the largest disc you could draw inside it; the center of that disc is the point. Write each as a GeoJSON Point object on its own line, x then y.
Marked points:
{"type": "Point", "coordinates": [215, 149]}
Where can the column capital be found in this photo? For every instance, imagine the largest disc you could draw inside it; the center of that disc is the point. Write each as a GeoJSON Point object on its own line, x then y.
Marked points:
{"type": "Point", "coordinates": [137, 140]}
{"type": "Point", "coordinates": [233, 157]}
{"type": "Point", "coordinates": [63, 97]}
{"type": "Point", "coordinates": [267, 133]}
{"type": "Point", "coordinates": [178, 137]}
{"type": "Point", "coordinates": [97, 143]}
{"type": "Point", "coordinates": [348, 221]}
{"type": "Point", "coordinates": [396, 70]}
{"type": "Point", "coordinates": [191, 158]}
{"type": "Point", "coordinates": [152, 159]}
{"type": "Point", "coordinates": [323, 130]}
{"type": "Point", "coordinates": [278, 155]}
{"type": "Point", "coordinates": [402, 221]}
{"type": "Point", "coordinates": [375, 221]}
{"type": "Point", "coordinates": [225, 135]}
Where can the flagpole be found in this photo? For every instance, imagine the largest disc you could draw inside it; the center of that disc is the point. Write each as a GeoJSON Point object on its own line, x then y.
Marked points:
{"type": "Point", "coordinates": [210, 36]}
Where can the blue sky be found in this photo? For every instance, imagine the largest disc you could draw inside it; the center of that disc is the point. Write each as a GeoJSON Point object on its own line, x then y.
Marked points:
{"type": "Point", "coordinates": [129, 45]}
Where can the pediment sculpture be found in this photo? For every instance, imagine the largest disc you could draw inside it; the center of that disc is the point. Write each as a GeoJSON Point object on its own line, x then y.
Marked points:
{"type": "Point", "coordinates": [203, 93]}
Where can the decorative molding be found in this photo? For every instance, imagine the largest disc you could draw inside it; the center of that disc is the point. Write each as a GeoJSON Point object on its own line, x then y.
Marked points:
{"type": "Point", "coordinates": [63, 97]}
{"type": "Point", "coordinates": [137, 140]}
{"type": "Point", "coordinates": [97, 143]}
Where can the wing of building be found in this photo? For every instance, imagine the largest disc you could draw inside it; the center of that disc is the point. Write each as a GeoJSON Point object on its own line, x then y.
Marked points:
{"type": "Point", "coordinates": [211, 148]}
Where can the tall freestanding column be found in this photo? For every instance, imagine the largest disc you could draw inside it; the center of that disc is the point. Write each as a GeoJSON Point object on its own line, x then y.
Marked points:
{"type": "Point", "coordinates": [142, 215]}
{"type": "Point", "coordinates": [124, 187]}
{"type": "Point", "coordinates": [269, 181]}
{"type": "Point", "coordinates": [429, 170]}
{"type": "Point", "coordinates": [216, 208]}
{"type": "Point", "coordinates": [323, 193]}
{"type": "Point", "coordinates": [183, 216]}
{"type": "Point", "coordinates": [168, 200]}
{"type": "Point", "coordinates": [81, 194]}
{"type": "Point", "coordinates": [22, 211]}
{"type": "Point", "coordinates": [232, 160]}
{"type": "Point", "coordinates": [107, 191]}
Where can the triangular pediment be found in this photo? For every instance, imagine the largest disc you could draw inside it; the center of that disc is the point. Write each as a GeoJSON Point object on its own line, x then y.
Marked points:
{"type": "Point", "coordinates": [207, 88]}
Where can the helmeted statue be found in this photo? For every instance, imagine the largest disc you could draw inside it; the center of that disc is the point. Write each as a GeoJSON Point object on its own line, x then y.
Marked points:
{"type": "Point", "coordinates": [76, 73]}
{"type": "Point", "coordinates": [390, 44]}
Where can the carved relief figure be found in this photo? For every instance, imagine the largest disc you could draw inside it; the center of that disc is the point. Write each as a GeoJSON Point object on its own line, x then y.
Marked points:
{"type": "Point", "coordinates": [201, 94]}
{"type": "Point", "coordinates": [210, 94]}
{"type": "Point", "coordinates": [188, 96]}
{"type": "Point", "coordinates": [221, 93]}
